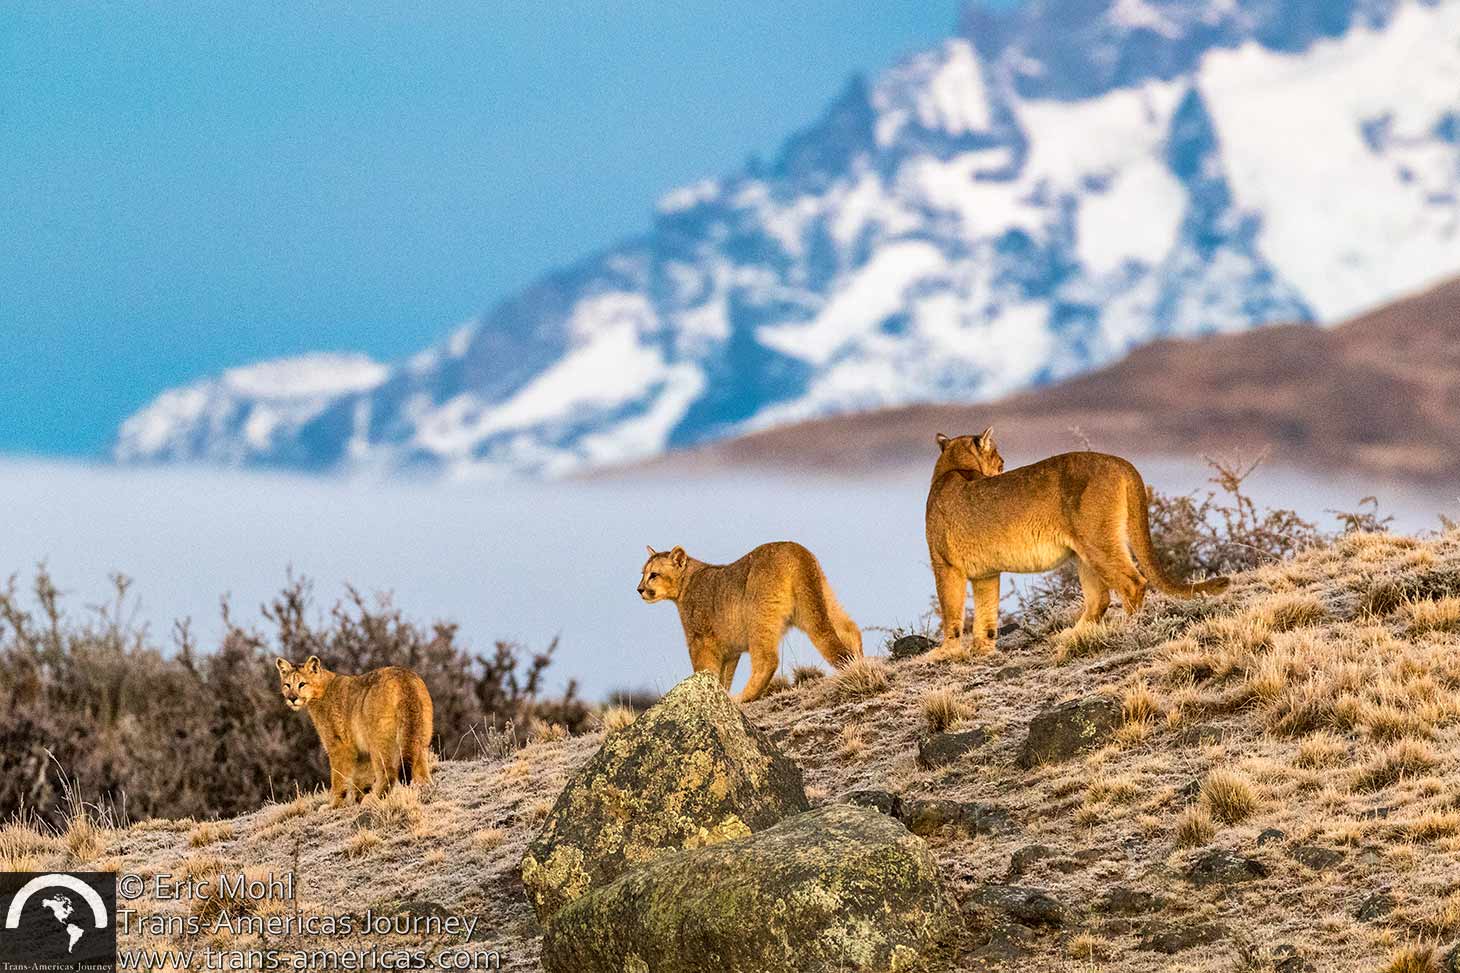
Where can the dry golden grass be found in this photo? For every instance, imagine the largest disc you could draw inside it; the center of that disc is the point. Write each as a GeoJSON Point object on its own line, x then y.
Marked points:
{"type": "Point", "coordinates": [1404, 758]}
{"type": "Point", "coordinates": [615, 718]}
{"type": "Point", "coordinates": [488, 839]}
{"type": "Point", "coordinates": [854, 742]}
{"type": "Point", "coordinates": [801, 675]}
{"type": "Point", "coordinates": [83, 839]}
{"type": "Point", "coordinates": [1195, 827]}
{"type": "Point", "coordinates": [23, 847]}
{"type": "Point", "coordinates": [362, 843]}
{"type": "Point", "coordinates": [1285, 612]}
{"type": "Point", "coordinates": [210, 832]}
{"type": "Point", "coordinates": [399, 808]}
{"type": "Point", "coordinates": [778, 684]}
{"type": "Point", "coordinates": [1413, 959]}
{"type": "Point", "coordinates": [944, 709]}
{"type": "Point", "coordinates": [1321, 749]}
{"type": "Point", "coordinates": [1423, 617]}
{"type": "Point", "coordinates": [1080, 641]}
{"type": "Point", "coordinates": [1229, 796]}
{"type": "Point", "coordinates": [862, 679]}
{"type": "Point", "coordinates": [1089, 948]}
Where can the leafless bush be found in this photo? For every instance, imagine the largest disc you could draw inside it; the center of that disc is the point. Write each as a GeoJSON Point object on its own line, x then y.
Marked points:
{"type": "Point", "coordinates": [1198, 535]}
{"type": "Point", "coordinates": [205, 734]}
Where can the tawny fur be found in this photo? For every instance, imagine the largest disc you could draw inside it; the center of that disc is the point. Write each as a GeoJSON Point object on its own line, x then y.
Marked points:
{"type": "Point", "coordinates": [746, 606]}
{"type": "Point", "coordinates": [1088, 507]}
{"type": "Point", "coordinates": [376, 727]}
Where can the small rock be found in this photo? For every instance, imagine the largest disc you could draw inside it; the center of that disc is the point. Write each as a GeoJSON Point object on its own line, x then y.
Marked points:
{"type": "Point", "coordinates": [1008, 628]}
{"type": "Point", "coordinates": [1219, 866]}
{"type": "Point", "coordinates": [1122, 901]}
{"type": "Point", "coordinates": [1450, 962]}
{"type": "Point", "coordinates": [926, 817]}
{"type": "Point", "coordinates": [885, 801]}
{"type": "Point", "coordinates": [1005, 673]}
{"type": "Point", "coordinates": [1375, 907]}
{"type": "Point", "coordinates": [1317, 858]}
{"type": "Point", "coordinates": [940, 749]}
{"type": "Point", "coordinates": [417, 909]}
{"type": "Point", "coordinates": [980, 819]}
{"type": "Point", "coordinates": [1270, 835]}
{"type": "Point", "coordinates": [1003, 943]}
{"type": "Point", "coordinates": [1370, 856]}
{"type": "Point", "coordinates": [910, 646]}
{"type": "Point", "coordinates": [1200, 735]}
{"type": "Point", "coordinates": [1028, 906]}
{"type": "Point", "coordinates": [1021, 860]}
{"type": "Point", "coordinates": [1062, 731]}
{"type": "Point", "coordinates": [1169, 937]}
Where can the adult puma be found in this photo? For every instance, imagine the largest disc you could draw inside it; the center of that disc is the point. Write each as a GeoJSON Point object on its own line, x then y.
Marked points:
{"type": "Point", "coordinates": [746, 606]}
{"type": "Point", "coordinates": [1087, 506]}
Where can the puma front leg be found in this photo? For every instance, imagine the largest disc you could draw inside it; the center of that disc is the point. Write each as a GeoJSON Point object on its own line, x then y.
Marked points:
{"type": "Point", "coordinates": [952, 586]}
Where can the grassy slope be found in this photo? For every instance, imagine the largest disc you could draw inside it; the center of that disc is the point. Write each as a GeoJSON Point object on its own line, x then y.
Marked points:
{"type": "Point", "coordinates": [1318, 697]}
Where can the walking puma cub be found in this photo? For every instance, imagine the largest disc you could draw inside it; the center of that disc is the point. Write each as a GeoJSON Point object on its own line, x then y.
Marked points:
{"type": "Point", "coordinates": [375, 727]}
{"type": "Point", "coordinates": [1087, 506]}
{"type": "Point", "coordinates": [727, 609]}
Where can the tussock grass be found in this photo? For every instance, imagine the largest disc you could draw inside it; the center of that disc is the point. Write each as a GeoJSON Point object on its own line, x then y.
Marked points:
{"type": "Point", "coordinates": [1229, 796]}
{"type": "Point", "coordinates": [1321, 749]}
{"type": "Point", "coordinates": [361, 843]}
{"type": "Point", "coordinates": [211, 832]}
{"type": "Point", "coordinates": [84, 840]}
{"type": "Point", "coordinates": [1195, 827]}
{"type": "Point", "coordinates": [1404, 758]}
{"type": "Point", "coordinates": [23, 847]}
{"type": "Point", "coordinates": [944, 709]}
{"type": "Point", "coordinates": [854, 742]}
{"type": "Point", "coordinates": [399, 808]}
{"type": "Point", "coordinates": [1285, 612]}
{"type": "Point", "coordinates": [862, 679]}
{"type": "Point", "coordinates": [804, 675]}
{"type": "Point", "coordinates": [1090, 948]}
{"type": "Point", "coordinates": [1413, 959]}
{"type": "Point", "coordinates": [778, 684]}
{"type": "Point", "coordinates": [488, 839]}
{"type": "Point", "coordinates": [1424, 617]}
{"type": "Point", "coordinates": [1081, 641]}
{"type": "Point", "coordinates": [615, 718]}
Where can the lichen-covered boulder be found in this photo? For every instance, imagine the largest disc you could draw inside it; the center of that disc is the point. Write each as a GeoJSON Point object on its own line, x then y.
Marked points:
{"type": "Point", "coordinates": [841, 888]}
{"type": "Point", "coordinates": [691, 771]}
{"type": "Point", "coordinates": [1062, 731]}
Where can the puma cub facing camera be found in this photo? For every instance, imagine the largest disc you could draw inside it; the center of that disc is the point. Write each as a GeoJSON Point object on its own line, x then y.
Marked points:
{"type": "Point", "coordinates": [375, 727]}
{"type": "Point", "coordinates": [746, 606]}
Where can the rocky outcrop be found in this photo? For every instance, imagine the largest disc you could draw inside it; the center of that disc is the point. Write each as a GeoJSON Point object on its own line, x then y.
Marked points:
{"type": "Point", "coordinates": [692, 771]}
{"type": "Point", "coordinates": [841, 888]}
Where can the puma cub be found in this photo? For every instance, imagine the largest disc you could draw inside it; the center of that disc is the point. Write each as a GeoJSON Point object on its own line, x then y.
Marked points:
{"type": "Point", "coordinates": [375, 727]}
{"type": "Point", "coordinates": [727, 609]}
{"type": "Point", "coordinates": [1087, 506]}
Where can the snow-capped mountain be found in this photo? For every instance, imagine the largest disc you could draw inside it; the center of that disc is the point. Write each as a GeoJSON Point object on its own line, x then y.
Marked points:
{"type": "Point", "coordinates": [1025, 201]}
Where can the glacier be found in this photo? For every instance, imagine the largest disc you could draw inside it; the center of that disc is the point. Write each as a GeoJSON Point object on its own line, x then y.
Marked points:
{"type": "Point", "coordinates": [1031, 198]}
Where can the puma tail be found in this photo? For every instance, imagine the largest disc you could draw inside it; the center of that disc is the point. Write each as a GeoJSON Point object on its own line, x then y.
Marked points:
{"type": "Point", "coordinates": [1139, 522]}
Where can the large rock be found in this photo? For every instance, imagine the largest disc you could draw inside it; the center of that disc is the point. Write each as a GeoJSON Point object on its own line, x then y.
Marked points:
{"type": "Point", "coordinates": [841, 888]}
{"type": "Point", "coordinates": [1062, 731]}
{"type": "Point", "coordinates": [691, 771]}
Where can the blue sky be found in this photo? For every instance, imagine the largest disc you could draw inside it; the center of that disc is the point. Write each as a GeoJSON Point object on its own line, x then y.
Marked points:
{"type": "Point", "coordinates": [185, 187]}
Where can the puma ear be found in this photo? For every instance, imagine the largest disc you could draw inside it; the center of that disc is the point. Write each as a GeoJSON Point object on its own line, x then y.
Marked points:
{"type": "Point", "coordinates": [285, 666]}
{"type": "Point", "coordinates": [677, 556]}
{"type": "Point", "coordinates": [942, 441]}
{"type": "Point", "coordinates": [311, 665]}
{"type": "Point", "coordinates": [651, 550]}
{"type": "Point", "coordinates": [986, 439]}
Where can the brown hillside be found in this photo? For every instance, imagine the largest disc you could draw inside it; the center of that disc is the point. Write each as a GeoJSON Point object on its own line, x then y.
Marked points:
{"type": "Point", "coordinates": [1378, 395]}
{"type": "Point", "coordinates": [1281, 794]}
